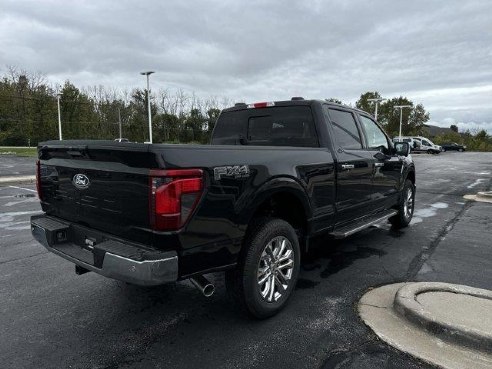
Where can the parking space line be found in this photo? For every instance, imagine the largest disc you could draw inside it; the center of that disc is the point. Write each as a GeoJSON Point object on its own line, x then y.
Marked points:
{"type": "Point", "coordinates": [17, 213]}
{"type": "Point", "coordinates": [22, 188]}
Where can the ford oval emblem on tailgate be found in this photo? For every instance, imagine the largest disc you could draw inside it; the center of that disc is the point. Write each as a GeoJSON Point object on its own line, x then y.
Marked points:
{"type": "Point", "coordinates": [81, 181]}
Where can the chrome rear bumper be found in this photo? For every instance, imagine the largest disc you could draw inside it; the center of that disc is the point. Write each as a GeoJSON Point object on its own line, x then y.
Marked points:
{"type": "Point", "coordinates": [105, 255]}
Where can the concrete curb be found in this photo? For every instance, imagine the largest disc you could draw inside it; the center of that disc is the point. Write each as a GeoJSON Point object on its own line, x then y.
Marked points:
{"type": "Point", "coordinates": [420, 337]}
{"type": "Point", "coordinates": [406, 304]}
{"type": "Point", "coordinates": [485, 195]}
{"type": "Point", "coordinates": [17, 179]}
{"type": "Point", "coordinates": [480, 197]}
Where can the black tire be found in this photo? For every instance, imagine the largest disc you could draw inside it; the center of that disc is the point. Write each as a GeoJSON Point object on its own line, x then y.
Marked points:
{"type": "Point", "coordinates": [405, 207]}
{"type": "Point", "coordinates": [429, 151]}
{"type": "Point", "coordinates": [443, 149]}
{"type": "Point", "coordinates": [242, 283]}
{"type": "Point", "coordinates": [461, 150]}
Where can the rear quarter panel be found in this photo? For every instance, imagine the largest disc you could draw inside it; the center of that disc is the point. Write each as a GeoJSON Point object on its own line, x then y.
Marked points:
{"type": "Point", "coordinates": [213, 237]}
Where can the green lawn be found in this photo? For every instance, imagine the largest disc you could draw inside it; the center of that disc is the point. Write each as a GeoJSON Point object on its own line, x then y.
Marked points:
{"type": "Point", "coordinates": [18, 151]}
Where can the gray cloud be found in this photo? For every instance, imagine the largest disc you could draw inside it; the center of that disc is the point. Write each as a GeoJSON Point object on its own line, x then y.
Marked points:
{"type": "Point", "coordinates": [437, 53]}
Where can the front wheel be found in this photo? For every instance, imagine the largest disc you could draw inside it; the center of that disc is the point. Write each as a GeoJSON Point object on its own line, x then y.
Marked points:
{"type": "Point", "coordinates": [268, 270]}
{"type": "Point", "coordinates": [405, 206]}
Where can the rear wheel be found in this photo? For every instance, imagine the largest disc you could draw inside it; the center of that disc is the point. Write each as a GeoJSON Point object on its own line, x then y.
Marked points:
{"type": "Point", "coordinates": [268, 269]}
{"type": "Point", "coordinates": [405, 206]}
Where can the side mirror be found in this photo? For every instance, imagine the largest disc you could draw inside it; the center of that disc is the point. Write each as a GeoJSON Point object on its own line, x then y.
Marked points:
{"type": "Point", "coordinates": [402, 148]}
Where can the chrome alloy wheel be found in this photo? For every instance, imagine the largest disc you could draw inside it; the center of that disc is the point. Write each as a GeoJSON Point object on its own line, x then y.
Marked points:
{"type": "Point", "coordinates": [408, 204]}
{"type": "Point", "coordinates": [275, 268]}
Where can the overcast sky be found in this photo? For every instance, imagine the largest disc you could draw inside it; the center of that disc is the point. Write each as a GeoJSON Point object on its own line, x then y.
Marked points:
{"type": "Point", "coordinates": [438, 53]}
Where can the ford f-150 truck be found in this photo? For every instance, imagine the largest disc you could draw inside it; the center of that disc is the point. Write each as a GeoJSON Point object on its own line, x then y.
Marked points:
{"type": "Point", "coordinates": [274, 175]}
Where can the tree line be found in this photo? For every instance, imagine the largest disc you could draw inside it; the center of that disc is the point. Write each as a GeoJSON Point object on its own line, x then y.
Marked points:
{"type": "Point", "coordinates": [29, 114]}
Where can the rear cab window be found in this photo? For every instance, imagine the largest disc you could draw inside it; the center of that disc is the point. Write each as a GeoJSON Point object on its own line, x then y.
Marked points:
{"type": "Point", "coordinates": [270, 126]}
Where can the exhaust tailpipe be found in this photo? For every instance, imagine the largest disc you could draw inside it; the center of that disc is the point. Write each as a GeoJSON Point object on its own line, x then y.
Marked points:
{"type": "Point", "coordinates": [203, 285]}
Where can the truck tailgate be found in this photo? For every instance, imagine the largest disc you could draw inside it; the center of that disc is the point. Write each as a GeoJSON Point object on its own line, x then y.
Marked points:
{"type": "Point", "coordinates": [102, 185]}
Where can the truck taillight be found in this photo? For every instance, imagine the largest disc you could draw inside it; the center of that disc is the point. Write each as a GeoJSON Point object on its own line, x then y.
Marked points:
{"type": "Point", "coordinates": [173, 196]}
{"type": "Point", "coordinates": [38, 180]}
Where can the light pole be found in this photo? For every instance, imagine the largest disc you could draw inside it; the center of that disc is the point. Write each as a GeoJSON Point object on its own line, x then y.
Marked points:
{"type": "Point", "coordinates": [119, 121]}
{"type": "Point", "coordinates": [401, 107]}
{"type": "Point", "coordinates": [148, 103]}
{"type": "Point", "coordinates": [59, 116]}
{"type": "Point", "coordinates": [377, 101]}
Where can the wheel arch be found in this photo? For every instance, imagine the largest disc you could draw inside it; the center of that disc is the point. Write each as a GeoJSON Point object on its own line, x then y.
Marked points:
{"type": "Point", "coordinates": [411, 176]}
{"type": "Point", "coordinates": [283, 198]}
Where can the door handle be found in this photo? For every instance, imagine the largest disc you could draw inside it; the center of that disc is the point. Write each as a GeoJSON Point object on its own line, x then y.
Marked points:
{"type": "Point", "coordinates": [348, 166]}
{"type": "Point", "coordinates": [379, 165]}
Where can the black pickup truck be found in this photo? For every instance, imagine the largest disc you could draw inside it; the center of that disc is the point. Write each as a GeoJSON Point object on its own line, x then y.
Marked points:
{"type": "Point", "coordinates": [275, 175]}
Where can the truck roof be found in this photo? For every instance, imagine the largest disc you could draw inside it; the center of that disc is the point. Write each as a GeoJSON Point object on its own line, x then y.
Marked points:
{"type": "Point", "coordinates": [293, 102]}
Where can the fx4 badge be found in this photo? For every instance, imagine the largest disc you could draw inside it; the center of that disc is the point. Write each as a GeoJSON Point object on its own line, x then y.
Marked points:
{"type": "Point", "coordinates": [234, 171]}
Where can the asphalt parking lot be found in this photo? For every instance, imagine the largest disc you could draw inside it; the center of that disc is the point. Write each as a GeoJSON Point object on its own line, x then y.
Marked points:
{"type": "Point", "coordinates": [16, 166]}
{"type": "Point", "coordinates": [52, 318]}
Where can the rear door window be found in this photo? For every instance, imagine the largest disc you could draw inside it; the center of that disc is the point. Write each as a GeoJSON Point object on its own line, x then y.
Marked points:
{"type": "Point", "coordinates": [345, 129]}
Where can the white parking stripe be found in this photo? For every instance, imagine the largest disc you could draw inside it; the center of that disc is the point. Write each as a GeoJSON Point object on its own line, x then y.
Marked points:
{"type": "Point", "coordinates": [22, 188]}
{"type": "Point", "coordinates": [476, 183]}
{"type": "Point", "coordinates": [17, 213]}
